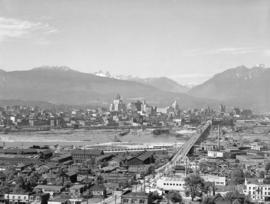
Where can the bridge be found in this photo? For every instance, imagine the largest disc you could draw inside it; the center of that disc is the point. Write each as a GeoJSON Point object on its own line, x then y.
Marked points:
{"type": "Point", "coordinates": [202, 132]}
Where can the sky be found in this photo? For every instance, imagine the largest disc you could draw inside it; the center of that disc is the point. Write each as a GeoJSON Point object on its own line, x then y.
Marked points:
{"type": "Point", "coordinates": [186, 40]}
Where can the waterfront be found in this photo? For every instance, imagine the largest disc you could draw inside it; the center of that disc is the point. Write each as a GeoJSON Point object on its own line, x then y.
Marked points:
{"type": "Point", "coordinates": [84, 137]}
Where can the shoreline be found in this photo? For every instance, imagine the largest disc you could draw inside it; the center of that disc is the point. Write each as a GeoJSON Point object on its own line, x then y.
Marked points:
{"type": "Point", "coordinates": [81, 137]}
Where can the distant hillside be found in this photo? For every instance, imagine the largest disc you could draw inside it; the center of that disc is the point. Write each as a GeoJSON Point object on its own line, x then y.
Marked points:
{"type": "Point", "coordinates": [238, 86]}
{"type": "Point", "coordinates": [163, 83]}
{"type": "Point", "coordinates": [62, 85]}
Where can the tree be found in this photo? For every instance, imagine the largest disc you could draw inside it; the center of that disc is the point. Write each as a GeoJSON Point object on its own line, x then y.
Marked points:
{"type": "Point", "coordinates": [32, 181]}
{"type": "Point", "coordinates": [237, 176]}
{"type": "Point", "coordinates": [2, 176]}
{"type": "Point", "coordinates": [210, 187]}
{"type": "Point", "coordinates": [261, 174]}
{"type": "Point", "coordinates": [236, 197]}
{"type": "Point", "coordinates": [151, 170]}
{"type": "Point", "coordinates": [195, 186]}
{"type": "Point", "coordinates": [100, 179]}
{"type": "Point", "coordinates": [62, 175]}
{"type": "Point", "coordinates": [267, 167]}
{"type": "Point", "coordinates": [208, 200]}
{"type": "Point", "coordinates": [20, 185]}
{"type": "Point", "coordinates": [231, 196]}
{"type": "Point", "coordinates": [266, 180]}
{"type": "Point", "coordinates": [5, 188]}
{"type": "Point", "coordinates": [153, 196]}
{"type": "Point", "coordinates": [175, 197]}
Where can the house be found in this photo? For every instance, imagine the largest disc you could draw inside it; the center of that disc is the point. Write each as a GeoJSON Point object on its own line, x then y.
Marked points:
{"type": "Point", "coordinates": [76, 190]}
{"type": "Point", "coordinates": [217, 180]}
{"type": "Point", "coordinates": [51, 189]}
{"type": "Point", "coordinates": [72, 176]}
{"type": "Point", "coordinates": [18, 198]}
{"type": "Point", "coordinates": [140, 170]}
{"type": "Point", "coordinates": [58, 200]}
{"type": "Point", "coordinates": [22, 166]}
{"type": "Point", "coordinates": [251, 160]}
{"type": "Point", "coordinates": [256, 146]}
{"type": "Point", "coordinates": [116, 161]}
{"type": "Point", "coordinates": [98, 190]}
{"type": "Point", "coordinates": [118, 180]}
{"type": "Point", "coordinates": [208, 146]}
{"type": "Point", "coordinates": [135, 198]}
{"type": "Point", "coordinates": [215, 154]}
{"type": "Point", "coordinates": [45, 154]}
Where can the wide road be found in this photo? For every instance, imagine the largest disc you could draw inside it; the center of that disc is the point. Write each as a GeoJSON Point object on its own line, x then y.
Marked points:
{"type": "Point", "coordinates": [185, 149]}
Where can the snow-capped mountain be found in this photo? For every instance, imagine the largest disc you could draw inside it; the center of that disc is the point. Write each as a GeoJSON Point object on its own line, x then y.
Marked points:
{"type": "Point", "coordinates": [162, 83]}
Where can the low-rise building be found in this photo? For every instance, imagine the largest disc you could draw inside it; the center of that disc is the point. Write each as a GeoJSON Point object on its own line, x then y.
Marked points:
{"type": "Point", "coordinates": [76, 190]}
{"type": "Point", "coordinates": [135, 198]}
{"type": "Point", "coordinates": [141, 159]}
{"type": "Point", "coordinates": [81, 155]}
{"type": "Point", "coordinates": [215, 154]}
{"type": "Point", "coordinates": [98, 191]}
{"type": "Point", "coordinates": [51, 189]}
{"type": "Point", "coordinates": [257, 190]}
{"type": "Point", "coordinates": [218, 180]}
{"type": "Point", "coordinates": [23, 198]}
{"type": "Point", "coordinates": [171, 183]}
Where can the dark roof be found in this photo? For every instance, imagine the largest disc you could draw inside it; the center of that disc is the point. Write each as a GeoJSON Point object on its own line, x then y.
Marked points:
{"type": "Point", "coordinates": [135, 195]}
{"type": "Point", "coordinates": [59, 157]}
{"type": "Point", "coordinates": [98, 187]}
{"type": "Point", "coordinates": [46, 151]}
{"type": "Point", "coordinates": [144, 155]}
{"type": "Point", "coordinates": [71, 173]}
{"type": "Point", "coordinates": [104, 157]}
{"type": "Point", "coordinates": [223, 202]}
{"type": "Point", "coordinates": [179, 167]}
{"type": "Point", "coordinates": [18, 151]}
{"type": "Point", "coordinates": [94, 152]}
{"type": "Point", "coordinates": [49, 187]}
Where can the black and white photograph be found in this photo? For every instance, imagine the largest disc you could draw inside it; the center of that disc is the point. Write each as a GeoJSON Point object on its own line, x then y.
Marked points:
{"type": "Point", "coordinates": [134, 101]}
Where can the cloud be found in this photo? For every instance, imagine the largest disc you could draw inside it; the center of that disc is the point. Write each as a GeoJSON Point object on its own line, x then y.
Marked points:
{"type": "Point", "coordinates": [266, 52]}
{"type": "Point", "coordinates": [16, 28]}
{"type": "Point", "coordinates": [218, 51]}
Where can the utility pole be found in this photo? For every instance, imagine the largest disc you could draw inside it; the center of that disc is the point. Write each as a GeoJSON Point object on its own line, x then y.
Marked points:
{"type": "Point", "coordinates": [186, 167]}
{"type": "Point", "coordinates": [143, 184]}
{"type": "Point", "coordinates": [218, 137]}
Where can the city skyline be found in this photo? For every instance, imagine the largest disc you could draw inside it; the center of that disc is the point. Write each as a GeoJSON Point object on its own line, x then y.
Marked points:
{"type": "Point", "coordinates": [188, 41]}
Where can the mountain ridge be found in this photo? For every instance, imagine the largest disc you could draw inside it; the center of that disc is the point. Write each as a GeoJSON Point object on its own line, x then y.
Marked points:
{"type": "Point", "coordinates": [162, 83]}
{"type": "Point", "coordinates": [67, 86]}
{"type": "Point", "coordinates": [239, 86]}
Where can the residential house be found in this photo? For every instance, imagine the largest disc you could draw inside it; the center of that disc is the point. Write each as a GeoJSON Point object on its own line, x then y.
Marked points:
{"type": "Point", "coordinates": [135, 198]}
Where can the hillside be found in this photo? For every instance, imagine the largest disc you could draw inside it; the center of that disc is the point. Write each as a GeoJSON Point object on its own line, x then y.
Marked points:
{"type": "Point", "coordinates": [62, 85]}
{"type": "Point", "coordinates": [163, 83]}
{"type": "Point", "coordinates": [240, 86]}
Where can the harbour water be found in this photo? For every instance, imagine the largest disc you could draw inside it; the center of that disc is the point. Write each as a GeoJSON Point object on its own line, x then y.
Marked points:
{"type": "Point", "coordinates": [81, 137]}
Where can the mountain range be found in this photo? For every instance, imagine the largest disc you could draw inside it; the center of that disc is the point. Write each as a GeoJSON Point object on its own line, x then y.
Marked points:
{"type": "Point", "coordinates": [62, 85]}
{"type": "Point", "coordinates": [163, 83]}
{"type": "Point", "coordinates": [240, 86]}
